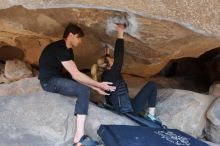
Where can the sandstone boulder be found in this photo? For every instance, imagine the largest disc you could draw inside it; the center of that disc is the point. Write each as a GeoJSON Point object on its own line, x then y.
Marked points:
{"type": "Point", "coordinates": [44, 118]}
{"type": "Point", "coordinates": [16, 69]}
{"type": "Point", "coordinates": [24, 86]}
{"type": "Point", "coordinates": [184, 110]}
{"type": "Point", "coordinates": [214, 90]}
{"type": "Point", "coordinates": [213, 114]}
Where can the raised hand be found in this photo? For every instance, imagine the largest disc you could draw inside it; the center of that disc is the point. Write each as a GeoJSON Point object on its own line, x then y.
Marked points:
{"type": "Point", "coordinates": [120, 30]}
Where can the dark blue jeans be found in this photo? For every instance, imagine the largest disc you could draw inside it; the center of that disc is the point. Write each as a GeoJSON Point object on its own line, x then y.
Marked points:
{"type": "Point", "coordinates": [146, 97]}
{"type": "Point", "coordinates": [69, 87]}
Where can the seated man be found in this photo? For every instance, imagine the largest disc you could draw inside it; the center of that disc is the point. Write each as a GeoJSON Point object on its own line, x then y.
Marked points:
{"type": "Point", "coordinates": [58, 56]}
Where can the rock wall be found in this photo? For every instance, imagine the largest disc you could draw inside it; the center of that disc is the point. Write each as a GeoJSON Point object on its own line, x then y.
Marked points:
{"type": "Point", "coordinates": [164, 30]}
{"type": "Point", "coordinates": [187, 13]}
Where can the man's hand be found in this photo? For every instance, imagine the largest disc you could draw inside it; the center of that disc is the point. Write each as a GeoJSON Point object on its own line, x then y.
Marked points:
{"type": "Point", "coordinates": [102, 92]}
{"type": "Point", "coordinates": [107, 86]}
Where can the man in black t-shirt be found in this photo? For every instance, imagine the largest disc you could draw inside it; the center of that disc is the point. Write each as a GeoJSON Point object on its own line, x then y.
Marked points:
{"type": "Point", "coordinates": [58, 56]}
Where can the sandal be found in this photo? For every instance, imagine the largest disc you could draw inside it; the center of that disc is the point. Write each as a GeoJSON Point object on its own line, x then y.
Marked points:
{"type": "Point", "coordinates": [86, 141]}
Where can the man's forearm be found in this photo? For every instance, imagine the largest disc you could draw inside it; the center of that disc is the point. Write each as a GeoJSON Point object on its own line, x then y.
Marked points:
{"type": "Point", "coordinates": [71, 67]}
{"type": "Point", "coordinates": [92, 87]}
{"type": "Point", "coordinates": [86, 80]}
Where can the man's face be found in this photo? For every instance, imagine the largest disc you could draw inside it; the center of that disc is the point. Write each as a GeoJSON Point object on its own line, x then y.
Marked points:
{"type": "Point", "coordinates": [75, 40]}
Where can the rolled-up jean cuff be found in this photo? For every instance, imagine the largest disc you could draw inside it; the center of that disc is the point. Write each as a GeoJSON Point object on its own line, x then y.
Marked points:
{"type": "Point", "coordinates": [80, 113]}
{"type": "Point", "coordinates": [81, 109]}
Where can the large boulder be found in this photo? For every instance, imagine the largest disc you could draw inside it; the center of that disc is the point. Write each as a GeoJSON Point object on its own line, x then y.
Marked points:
{"type": "Point", "coordinates": [184, 110]}
{"type": "Point", "coordinates": [24, 86]}
{"type": "Point", "coordinates": [35, 119]}
{"type": "Point", "coordinates": [213, 114]}
{"type": "Point", "coordinates": [214, 89]}
{"type": "Point", "coordinates": [16, 70]}
{"type": "Point", "coordinates": [44, 118]}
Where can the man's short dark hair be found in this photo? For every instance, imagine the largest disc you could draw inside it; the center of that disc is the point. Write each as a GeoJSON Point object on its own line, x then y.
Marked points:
{"type": "Point", "coordinates": [73, 28]}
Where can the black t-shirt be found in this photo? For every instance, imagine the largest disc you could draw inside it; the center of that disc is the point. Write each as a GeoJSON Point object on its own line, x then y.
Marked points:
{"type": "Point", "coordinates": [51, 58]}
{"type": "Point", "coordinates": [114, 73]}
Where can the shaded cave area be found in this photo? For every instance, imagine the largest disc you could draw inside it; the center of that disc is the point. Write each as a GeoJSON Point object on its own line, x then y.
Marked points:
{"type": "Point", "coordinates": [194, 74]}
{"type": "Point", "coordinates": [8, 52]}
